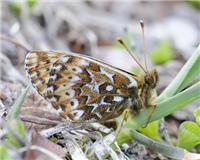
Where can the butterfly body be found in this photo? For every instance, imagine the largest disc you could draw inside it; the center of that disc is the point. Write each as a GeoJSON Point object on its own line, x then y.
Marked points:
{"type": "Point", "coordinates": [84, 89]}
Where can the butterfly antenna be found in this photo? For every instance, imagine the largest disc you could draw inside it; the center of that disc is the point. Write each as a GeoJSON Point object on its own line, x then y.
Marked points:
{"type": "Point", "coordinates": [144, 44]}
{"type": "Point", "coordinates": [131, 53]}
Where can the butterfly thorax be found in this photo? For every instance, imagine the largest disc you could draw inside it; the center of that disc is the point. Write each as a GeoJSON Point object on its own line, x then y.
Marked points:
{"type": "Point", "coordinates": [146, 89]}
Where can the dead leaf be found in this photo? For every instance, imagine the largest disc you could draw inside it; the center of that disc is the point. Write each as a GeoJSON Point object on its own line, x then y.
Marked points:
{"type": "Point", "coordinates": [38, 140]}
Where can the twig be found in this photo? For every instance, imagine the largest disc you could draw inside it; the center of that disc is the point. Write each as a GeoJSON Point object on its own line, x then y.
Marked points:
{"type": "Point", "coordinates": [41, 149]}
{"type": "Point", "coordinates": [5, 38]}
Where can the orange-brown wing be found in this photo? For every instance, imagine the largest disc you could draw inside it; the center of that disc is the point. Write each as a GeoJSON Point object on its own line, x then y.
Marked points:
{"type": "Point", "coordinates": [38, 65]}
{"type": "Point", "coordinates": [84, 89]}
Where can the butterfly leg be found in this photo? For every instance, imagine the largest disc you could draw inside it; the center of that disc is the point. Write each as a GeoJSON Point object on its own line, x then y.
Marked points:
{"type": "Point", "coordinates": [153, 107]}
{"type": "Point", "coordinates": [125, 117]}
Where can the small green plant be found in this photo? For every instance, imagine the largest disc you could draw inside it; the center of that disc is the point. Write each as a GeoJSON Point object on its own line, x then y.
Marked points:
{"type": "Point", "coordinates": [14, 128]}
{"type": "Point", "coordinates": [163, 53]}
{"type": "Point", "coordinates": [16, 6]}
{"type": "Point", "coordinates": [189, 133]}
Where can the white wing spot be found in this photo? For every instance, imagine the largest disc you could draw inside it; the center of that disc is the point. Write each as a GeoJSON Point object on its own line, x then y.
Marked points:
{"type": "Point", "coordinates": [102, 101]}
{"type": "Point", "coordinates": [109, 75]}
{"type": "Point", "coordinates": [94, 105]}
{"type": "Point", "coordinates": [133, 82]}
{"type": "Point", "coordinates": [70, 93]}
{"type": "Point", "coordinates": [96, 88]}
{"type": "Point", "coordinates": [91, 76]}
{"type": "Point", "coordinates": [74, 103]}
{"type": "Point", "coordinates": [75, 78]}
{"type": "Point", "coordinates": [50, 89]}
{"type": "Point", "coordinates": [78, 113]}
{"type": "Point", "coordinates": [109, 109]}
{"type": "Point", "coordinates": [93, 87]}
{"type": "Point", "coordinates": [98, 115]}
{"type": "Point", "coordinates": [53, 77]}
{"type": "Point", "coordinates": [76, 70]}
{"type": "Point", "coordinates": [118, 99]}
{"type": "Point", "coordinates": [109, 88]}
{"type": "Point", "coordinates": [84, 62]}
{"type": "Point", "coordinates": [59, 110]}
{"type": "Point", "coordinates": [57, 68]}
{"type": "Point", "coordinates": [64, 59]}
{"type": "Point", "coordinates": [34, 74]}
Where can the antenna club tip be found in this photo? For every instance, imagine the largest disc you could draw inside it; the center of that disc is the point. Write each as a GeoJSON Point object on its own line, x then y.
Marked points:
{"type": "Point", "coordinates": [119, 39]}
{"type": "Point", "coordinates": [142, 23]}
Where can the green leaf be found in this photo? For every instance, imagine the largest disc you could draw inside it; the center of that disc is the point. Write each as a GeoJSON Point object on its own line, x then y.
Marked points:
{"type": "Point", "coordinates": [188, 73]}
{"type": "Point", "coordinates": [15, 109]}
{"type": "Point", "coordinates": [15, 7]}
{"type": "Point", "coordinates": [16, 126]}
{"type": "Point", "coordinates": [31, 3]}
{"type": "Point", "coordinates": [188, 135]}
{"type": "Point", "coordinates": [124, 135]}
{"type": "Point", "coordinates": [4, 155]}
{"type": "Point", "coordinates": [163, 53]}
{"type": "Point", "coordinates": [151, 130]}
{"type": "Point", "coordinates": [194, 3]}
{"type": "Point", "coordinates": [197, 115]}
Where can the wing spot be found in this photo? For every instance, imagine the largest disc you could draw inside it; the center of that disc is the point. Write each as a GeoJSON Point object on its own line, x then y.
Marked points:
{"type": "Point", "coordinates": [98, 115]}
{"type": "Point", "coordinates": [74, 78]}
{"type": "Point", "coordinates": [64, 59]}
{"type": "Point", "coordinates": [107, 74]}
{"type": "Point", "coordinates": [118, 98]}
{"type": "Point", "coordinates": [132, 81]}
{"type": "Point", "coordinates": [92, 106]}
{"type": "Point", "coordinates": [67, 93]}
{"type": "Point", "coordinates": [109, 87]}
{"type": "Point", "coordinates": [74, 103]}
{"type": "Point", "coordinates": [84, 62]}
{"type": "Point", "coordinates": [57, 67]}
{"type": "Point", "coordinates": [78, 113]}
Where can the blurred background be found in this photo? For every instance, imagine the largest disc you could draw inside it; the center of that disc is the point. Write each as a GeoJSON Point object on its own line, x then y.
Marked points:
{"type": "Point", "coordinates": [91, 27]}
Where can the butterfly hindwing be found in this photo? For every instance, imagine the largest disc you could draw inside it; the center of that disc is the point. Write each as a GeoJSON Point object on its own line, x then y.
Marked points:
{"type": "Point", "coordinates": [38, 65]}
{"type": "Point", "coordinates": [84, 90]}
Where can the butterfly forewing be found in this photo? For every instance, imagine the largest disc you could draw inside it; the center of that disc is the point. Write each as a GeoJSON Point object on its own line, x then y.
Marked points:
{"type": "Point", "coordinates": [80, 87]}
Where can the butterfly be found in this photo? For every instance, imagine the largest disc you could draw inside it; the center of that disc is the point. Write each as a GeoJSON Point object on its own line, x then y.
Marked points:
{"type": "Point", "coordinates": [84, 89]}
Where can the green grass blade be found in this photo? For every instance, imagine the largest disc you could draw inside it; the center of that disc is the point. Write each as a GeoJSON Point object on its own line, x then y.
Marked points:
{"type": "Point", "coordinates": [188, 73]}
{"type": "Point", "coordinates": [15, 109]}
{"type": "Point", "coordinates": [169, 106]}
{"type": "Point", "coordinates": [165, 149]}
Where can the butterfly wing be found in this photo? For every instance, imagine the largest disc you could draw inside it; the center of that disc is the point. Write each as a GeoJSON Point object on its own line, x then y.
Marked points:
{"type": "Point", "coordinates": [38, 65]}
{"type": "Point", "coordinates": [85, 89]}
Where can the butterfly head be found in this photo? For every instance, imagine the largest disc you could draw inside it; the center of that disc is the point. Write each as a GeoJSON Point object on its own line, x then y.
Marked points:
{"type": "Point", "coordinates": [151, 78]}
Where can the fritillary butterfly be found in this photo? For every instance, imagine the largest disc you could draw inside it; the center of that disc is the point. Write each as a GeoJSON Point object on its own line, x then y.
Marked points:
{"type": "Point", "coordinates": [84, 89]}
